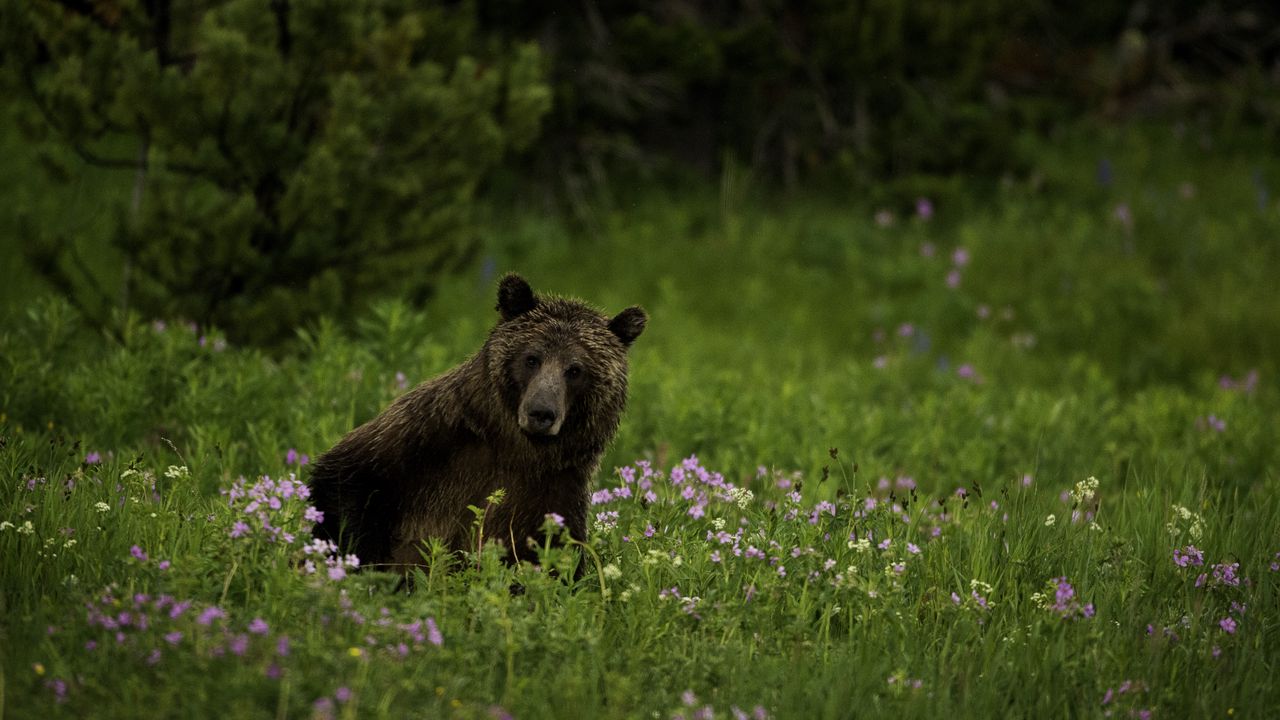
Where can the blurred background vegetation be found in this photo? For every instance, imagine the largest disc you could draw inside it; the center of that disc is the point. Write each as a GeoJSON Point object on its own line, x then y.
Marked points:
{"type": "Point", "coordinates": [257, 165]}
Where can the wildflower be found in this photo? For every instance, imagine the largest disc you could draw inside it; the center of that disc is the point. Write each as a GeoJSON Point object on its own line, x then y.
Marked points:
{"type": "Point", "coordinates": [174, 637]}
{"type": "Point", "coordinates": [960, 257]}
{"type": "Point", "coordinates": [282, 646]}
{"type": "Point", "coordinates": [884, 218]}
{"type": "Point", "coordinates": [26, 528]}
{"type": "Point", "coordinates": [342, 694]}
{"type": "Point", "coordinates": [555, 519]}
{"type": "Point", "coordinates": [209, 614]}
{"type": "Point", "coordinates": [93, 458]}
{"type": "Point", "coordinates": [1228, 625]}
{"type": "Point", "coordinates": [258, 626]}
{"type": "Point", "coordinates": [176, 472]}
{"type": "Point", "coordinates": [1085, 490]}
{"type": "Point", "coordinates": [1049, 521]}
{"type": "Point", "coordinates": [924, 208]}
{"type": "Point", "coordinates": [953, 278]}
{"type": "Point", "coordinates": [1224, 574]}
{"type": "Point", "coordinates": [138, 554]}
{"type": "Point", "coordinates": [433, 633]}
{"type": "Point", "coordinates": [1189, 555]}
{"type": "Point", "coordinates": [913, 549]}
{"type": "Point", "coordinates": [612, 571]}
{"type": "Point", "coordinates": [5, 525]}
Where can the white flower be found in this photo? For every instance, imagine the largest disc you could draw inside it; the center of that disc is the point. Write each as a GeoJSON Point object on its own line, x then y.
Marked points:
{"type": "Point", "coordinates": [718, 523]}
{"type": "Point", "coordinates": [177, 471]}
{"type": "Point", "coordinates": [861, 544]}
{"type": "Point", "coordinates": [102, 507]}
{"type": "Point", "coordinates": [612, 572]}
{"type": "Point", "coordinates": [1085, 489]}
{"type": "Point", "coordinates": [741, 496]}
{"type": "Point", "coordinates": [1049, 521]}
{"type": "Point", "coordinates": [976, 584]}
{"type": "Point", "coordinates": [26, 528]}
{"type": "Point", "coordinates": [5, 525]}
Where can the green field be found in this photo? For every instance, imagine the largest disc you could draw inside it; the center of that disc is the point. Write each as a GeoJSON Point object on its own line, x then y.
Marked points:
{"type": "Point", "coordinates": [869, 434]}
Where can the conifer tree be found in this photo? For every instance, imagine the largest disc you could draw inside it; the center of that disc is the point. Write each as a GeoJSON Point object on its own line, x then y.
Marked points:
{"type": "Point", "coordinates": [284, 158]}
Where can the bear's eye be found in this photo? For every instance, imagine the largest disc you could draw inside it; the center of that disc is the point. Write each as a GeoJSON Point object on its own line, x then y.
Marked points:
{"type": "Point", "coordinates": [532, 361]}
{"type": "Point", "coordinates": [573, 373]}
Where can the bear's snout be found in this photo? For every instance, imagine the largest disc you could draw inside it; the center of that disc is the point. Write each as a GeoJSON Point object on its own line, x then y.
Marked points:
{"type": "Point", "coordinates": [541, 420]}
{"type": "Point", "coordinates": [542, 409]}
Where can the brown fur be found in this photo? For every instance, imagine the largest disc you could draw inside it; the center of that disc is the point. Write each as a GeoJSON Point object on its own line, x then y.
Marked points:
{"type": "Point", "coordinates": [499, 420]}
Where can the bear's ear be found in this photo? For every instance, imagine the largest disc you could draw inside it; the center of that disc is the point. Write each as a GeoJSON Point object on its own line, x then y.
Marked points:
{"type": "Point", "coordinates": [628, 324]}
{"type": "Point", "coordinates": [515, 297]}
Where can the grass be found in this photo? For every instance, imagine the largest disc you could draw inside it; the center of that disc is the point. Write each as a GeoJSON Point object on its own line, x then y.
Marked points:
{"type": "Point", "coordinates": [798, 350]}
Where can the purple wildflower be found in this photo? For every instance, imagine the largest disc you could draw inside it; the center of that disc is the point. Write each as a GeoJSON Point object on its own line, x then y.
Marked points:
{"type": "Point", "coordinates": [433, 633]}
{"type": "Point", "coordinates": [258, 626]}
{"type": "Point", "coordinates": [1228, 625]}
{"type": "Point", "coordinates": [209, 614]}
{"type": "Point", "coordinates": [1189, 555]}
{"type": "Point", "coordinates": [924, 208]}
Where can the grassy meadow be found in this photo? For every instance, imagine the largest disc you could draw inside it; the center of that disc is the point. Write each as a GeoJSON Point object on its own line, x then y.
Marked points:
{"type": "Point", "coordinates": [1004, 450]}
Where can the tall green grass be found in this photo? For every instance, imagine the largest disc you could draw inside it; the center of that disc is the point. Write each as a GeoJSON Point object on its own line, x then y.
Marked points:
{"type": "Point", "coordinates": [800, 350]}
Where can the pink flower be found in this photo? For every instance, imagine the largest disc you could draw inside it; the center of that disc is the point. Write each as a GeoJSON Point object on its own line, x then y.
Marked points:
{"type": "Point", "coordinates": [924, 208]}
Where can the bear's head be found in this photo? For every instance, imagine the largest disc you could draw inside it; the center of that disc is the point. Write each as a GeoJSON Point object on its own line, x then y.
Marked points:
{"type": "Point", "coordinates": [560, 366]}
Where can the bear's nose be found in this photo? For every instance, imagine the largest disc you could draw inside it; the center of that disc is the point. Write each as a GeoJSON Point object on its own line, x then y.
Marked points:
{"type": "Point", "coordinates": [541, 419]}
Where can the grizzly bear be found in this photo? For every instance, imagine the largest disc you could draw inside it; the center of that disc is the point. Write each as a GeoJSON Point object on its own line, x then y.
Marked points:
{"type": "Point", "coordinates": [530, 414]}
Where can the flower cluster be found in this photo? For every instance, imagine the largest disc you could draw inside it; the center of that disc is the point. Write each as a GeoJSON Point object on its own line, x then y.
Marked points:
{"type": "Point", "coordinates": [1185, 521]}
{"type": "Point", "coordinates": [147, 627]}
{"type": "Point", "coordinates": [688, 482]}
{"type": "Point", "coordinates": [275, 511]}
{"type": "Point", "coordinates": [1124, 699]}
{"type": "Point", "coordinates": [692, 709]}
{"type": "Point", "coordinates": [1189, 555]}
{"type": "Point", "coordinates": [1085, 490]}
{"type": "Point", "coordinates": [1220, 575]}
{"type": "Point", "coordinates": [977, 599]}
{"type": "Point", "coordinates": [326, 552]}
{"type": "Point", "coordinates": [1059, 597]}
{"type": "Point", "coordinates": [383, 632]}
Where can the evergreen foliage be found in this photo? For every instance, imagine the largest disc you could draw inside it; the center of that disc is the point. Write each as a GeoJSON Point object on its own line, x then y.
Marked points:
{"type": "Point", "coordinates": [286, 159]}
